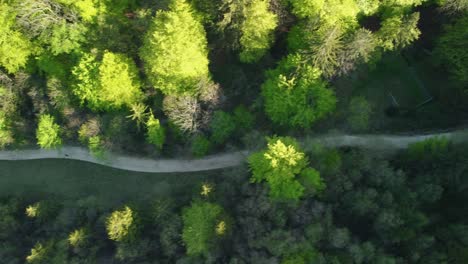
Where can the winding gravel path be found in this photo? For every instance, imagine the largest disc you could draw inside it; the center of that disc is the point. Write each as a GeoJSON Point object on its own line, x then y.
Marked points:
{"type": "Point", "coordinates": [223, 160]}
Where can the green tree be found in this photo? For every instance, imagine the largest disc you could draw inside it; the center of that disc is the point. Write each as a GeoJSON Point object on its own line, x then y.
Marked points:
{"type": "Point", "coordinates": [295, 95]}
{"type": "Point", "coordinates": [452, 53]}
{"type": "Point", "coordinates": [175, 50]}
{"type": "Point", "coordinates": [123, 225]}
{"type": "Point", "coordinates": [222, 127]}
{"type": "Point", "coordinates": [107, 85]}
{"type": "Point", "coordinates": [15, 48]}
{"type": "Point", "coordinates": [280, 165]}
{"type": "Point", "coordinates": [48, 132]}
{"type": "Point", "coordinates": [201, 220]}
{"type": "Point", "coordinates": [256, 30]}
{"type": "Point", "coordinates": [399, 31]}
{"type": "Point", "coordinates": [118, 76]}
{"type": "Point", "coordinates": [156, 134]}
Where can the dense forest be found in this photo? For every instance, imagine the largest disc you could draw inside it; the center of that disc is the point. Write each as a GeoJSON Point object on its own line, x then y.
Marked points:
{"type": "Point", "coordinates": [190, 78]}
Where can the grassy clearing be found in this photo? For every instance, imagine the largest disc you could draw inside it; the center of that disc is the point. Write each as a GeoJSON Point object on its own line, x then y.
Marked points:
{"type": "Point", "coordinates": [70, 179]}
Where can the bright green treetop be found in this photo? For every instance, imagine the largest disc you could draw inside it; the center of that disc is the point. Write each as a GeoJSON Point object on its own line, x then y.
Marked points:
{"type": "Point", "coordinates": [201, 226]}
{"type": "Point", "coordinates": [15, 48]}
{"type": "Point", "coordinates": [48, 132]}
{"type": "Point", "coordinates": [119, 81]}
{"type": "Point", "coordinates": [295, 94]}
{"type": "Point", "coordinates": [156, 133]}
{"type": "Point", "coordinates": [278, 166]}
{"type": "Point", "coordinates": [399, 31]}
{"type": "Point", "coordinates": [257, 30]}
{"type": "Point", "coordinates": [110, 84]}
{"type": "Point", "coordinates": [175, 50]}
{"type": "Point", "coordinates": [330, 11]}
{"type": "Point", "coordinates": [122, 225]}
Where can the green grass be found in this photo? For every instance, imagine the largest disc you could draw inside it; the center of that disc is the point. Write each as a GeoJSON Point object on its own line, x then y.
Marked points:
{"type": "Point", "coordinates": [70, 179]}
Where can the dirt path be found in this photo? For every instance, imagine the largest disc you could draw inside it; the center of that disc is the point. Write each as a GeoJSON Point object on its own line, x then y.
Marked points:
{"type": "Point", "coordinates": [222, 160]}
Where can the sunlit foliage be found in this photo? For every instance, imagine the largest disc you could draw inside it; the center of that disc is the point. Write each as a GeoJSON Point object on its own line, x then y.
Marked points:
{"type": "Point", "coordinates": [48, 132]}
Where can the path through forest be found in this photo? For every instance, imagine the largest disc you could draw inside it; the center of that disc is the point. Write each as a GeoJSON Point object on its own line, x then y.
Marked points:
{"type": "Point", "coordinates": [223, 160]}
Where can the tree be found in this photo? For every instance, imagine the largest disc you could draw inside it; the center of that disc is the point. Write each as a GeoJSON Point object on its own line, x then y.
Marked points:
{"type": "Point", "coordinates": [399, 31]}
{"type": "Point", "coordinates": [326, 49]}
{"type": "Point", "coordinates": [48, 132]}
{"type": "Point", "coordinates": [358, 49]}
{"type": "Point", "coordinates": [451, 51]}
{"type": "Point", "coordinates": [184, 112]}
{"type": "Point", "coordinates": [256, 30]}
{"type": "Point", "coordinates": [15, 48]}
{"type": "Point", "coordinates": [123, 225]}
{"type": "Point", "coordinates": [295, 95]}
{"type": "Point", "coordinates": [454, 6]}
{"type": "Point", "coordinates": [174, 50]}
{"type": "Point", "coordinates": [306, 8]}
{"type": "Point", "coordinates": [201, 220]}
{"type": "Point", "coordinates": [139, 113]}
{"type": "Point", "coordinates": [107, 85]}
{"type": "Point", "coordinates": [156, 134]}
{"type": "Point", "coordinates": [279, 165]}
{"type": "Point", "coordinates": [120, 85]}
{"type": "Point", "coordinates": [222, 126]}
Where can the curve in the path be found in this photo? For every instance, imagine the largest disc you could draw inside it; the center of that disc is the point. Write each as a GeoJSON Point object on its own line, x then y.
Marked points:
{"type": "Point", "coordinates": [224, 160]}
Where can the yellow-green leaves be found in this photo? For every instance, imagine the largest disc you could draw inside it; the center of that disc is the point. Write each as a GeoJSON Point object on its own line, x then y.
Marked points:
{"type": "Point", "coordinates": [48, 132]}
{"type": "Point", "coordinates": [156, 134]}
{"type": "Point", "coordinates": [399, 31]}
{"type": "Point", "coordinates": [119, 81]}
{"type": "Point", "coordinates": [257, 30]}
{"type": "Point", "coordinates": [15, 48]}
{"type": "Point", "coordinates": [122, 225]}
{"type": "Point", "coordinates": [107, 85]}
{"type": "Point", "coordinates": [175, 50]}
{"type": "Point", "coordinates": [283, 166]}
{"type": "Point", "coordinates": [295, 95]}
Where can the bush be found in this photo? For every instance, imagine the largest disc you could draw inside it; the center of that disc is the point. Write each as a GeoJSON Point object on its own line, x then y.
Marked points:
{"type": "Point", "coordinates": [222, 127]}
{"type": "Point", "coordinates": [243, 119]}
{"type": "Point", "coordinates": [156, 134]}
{"type": "Point", "coordinates": [359, 113]}
{"type": "Point", "coordinates": [200, 146]}
{"type": "Point", "coordinates": [48, 132]}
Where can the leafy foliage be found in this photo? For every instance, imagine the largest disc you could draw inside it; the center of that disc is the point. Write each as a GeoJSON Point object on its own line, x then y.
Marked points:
{"type": "Point", "coordinates": [175, 51]}
{"type": "Point", "coordinates": [256, 30]}
{"type": "Point", "coordinates": [200, 146]}
{"type": "Point", "coordinates": [122, 225]}
{"type": "Point", "coordinates": [156, 134]}
{"type": "Point", "coordinates": [201, 220]}
{"type": "Point", "coordinates": [399, 31]}
{"type": "Point", "coordinates": [451, 52]}
{"type": "Point", "coordinates": [359, 113]}
{"type": "Point", "coordinates": [110, 84]}
{"type": "Point", "coordinates": [15, 48]}
{"type": "Point", "coordinates": [279, 166]}
{"type": "Point", "coordinates": [222, 126]}
{"type": "Point", "coordinates": [48, 132]}
{"type": "Point", "coordinates": [295, 95]}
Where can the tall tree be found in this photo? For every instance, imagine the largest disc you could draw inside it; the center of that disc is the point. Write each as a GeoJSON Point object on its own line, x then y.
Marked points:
{"type": "Point", "coordinates": [283, 166]}
{"type": "Point", "coordinates": [295, 94]}
{"type": "Point", "coordinates": [15, 48]}
{"type": "Point", "coordinates": [107, 85]}
{"type": "Point", "coordinates": [256, 30]}
{"type": "Point", "coordinates": [175, 50]}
